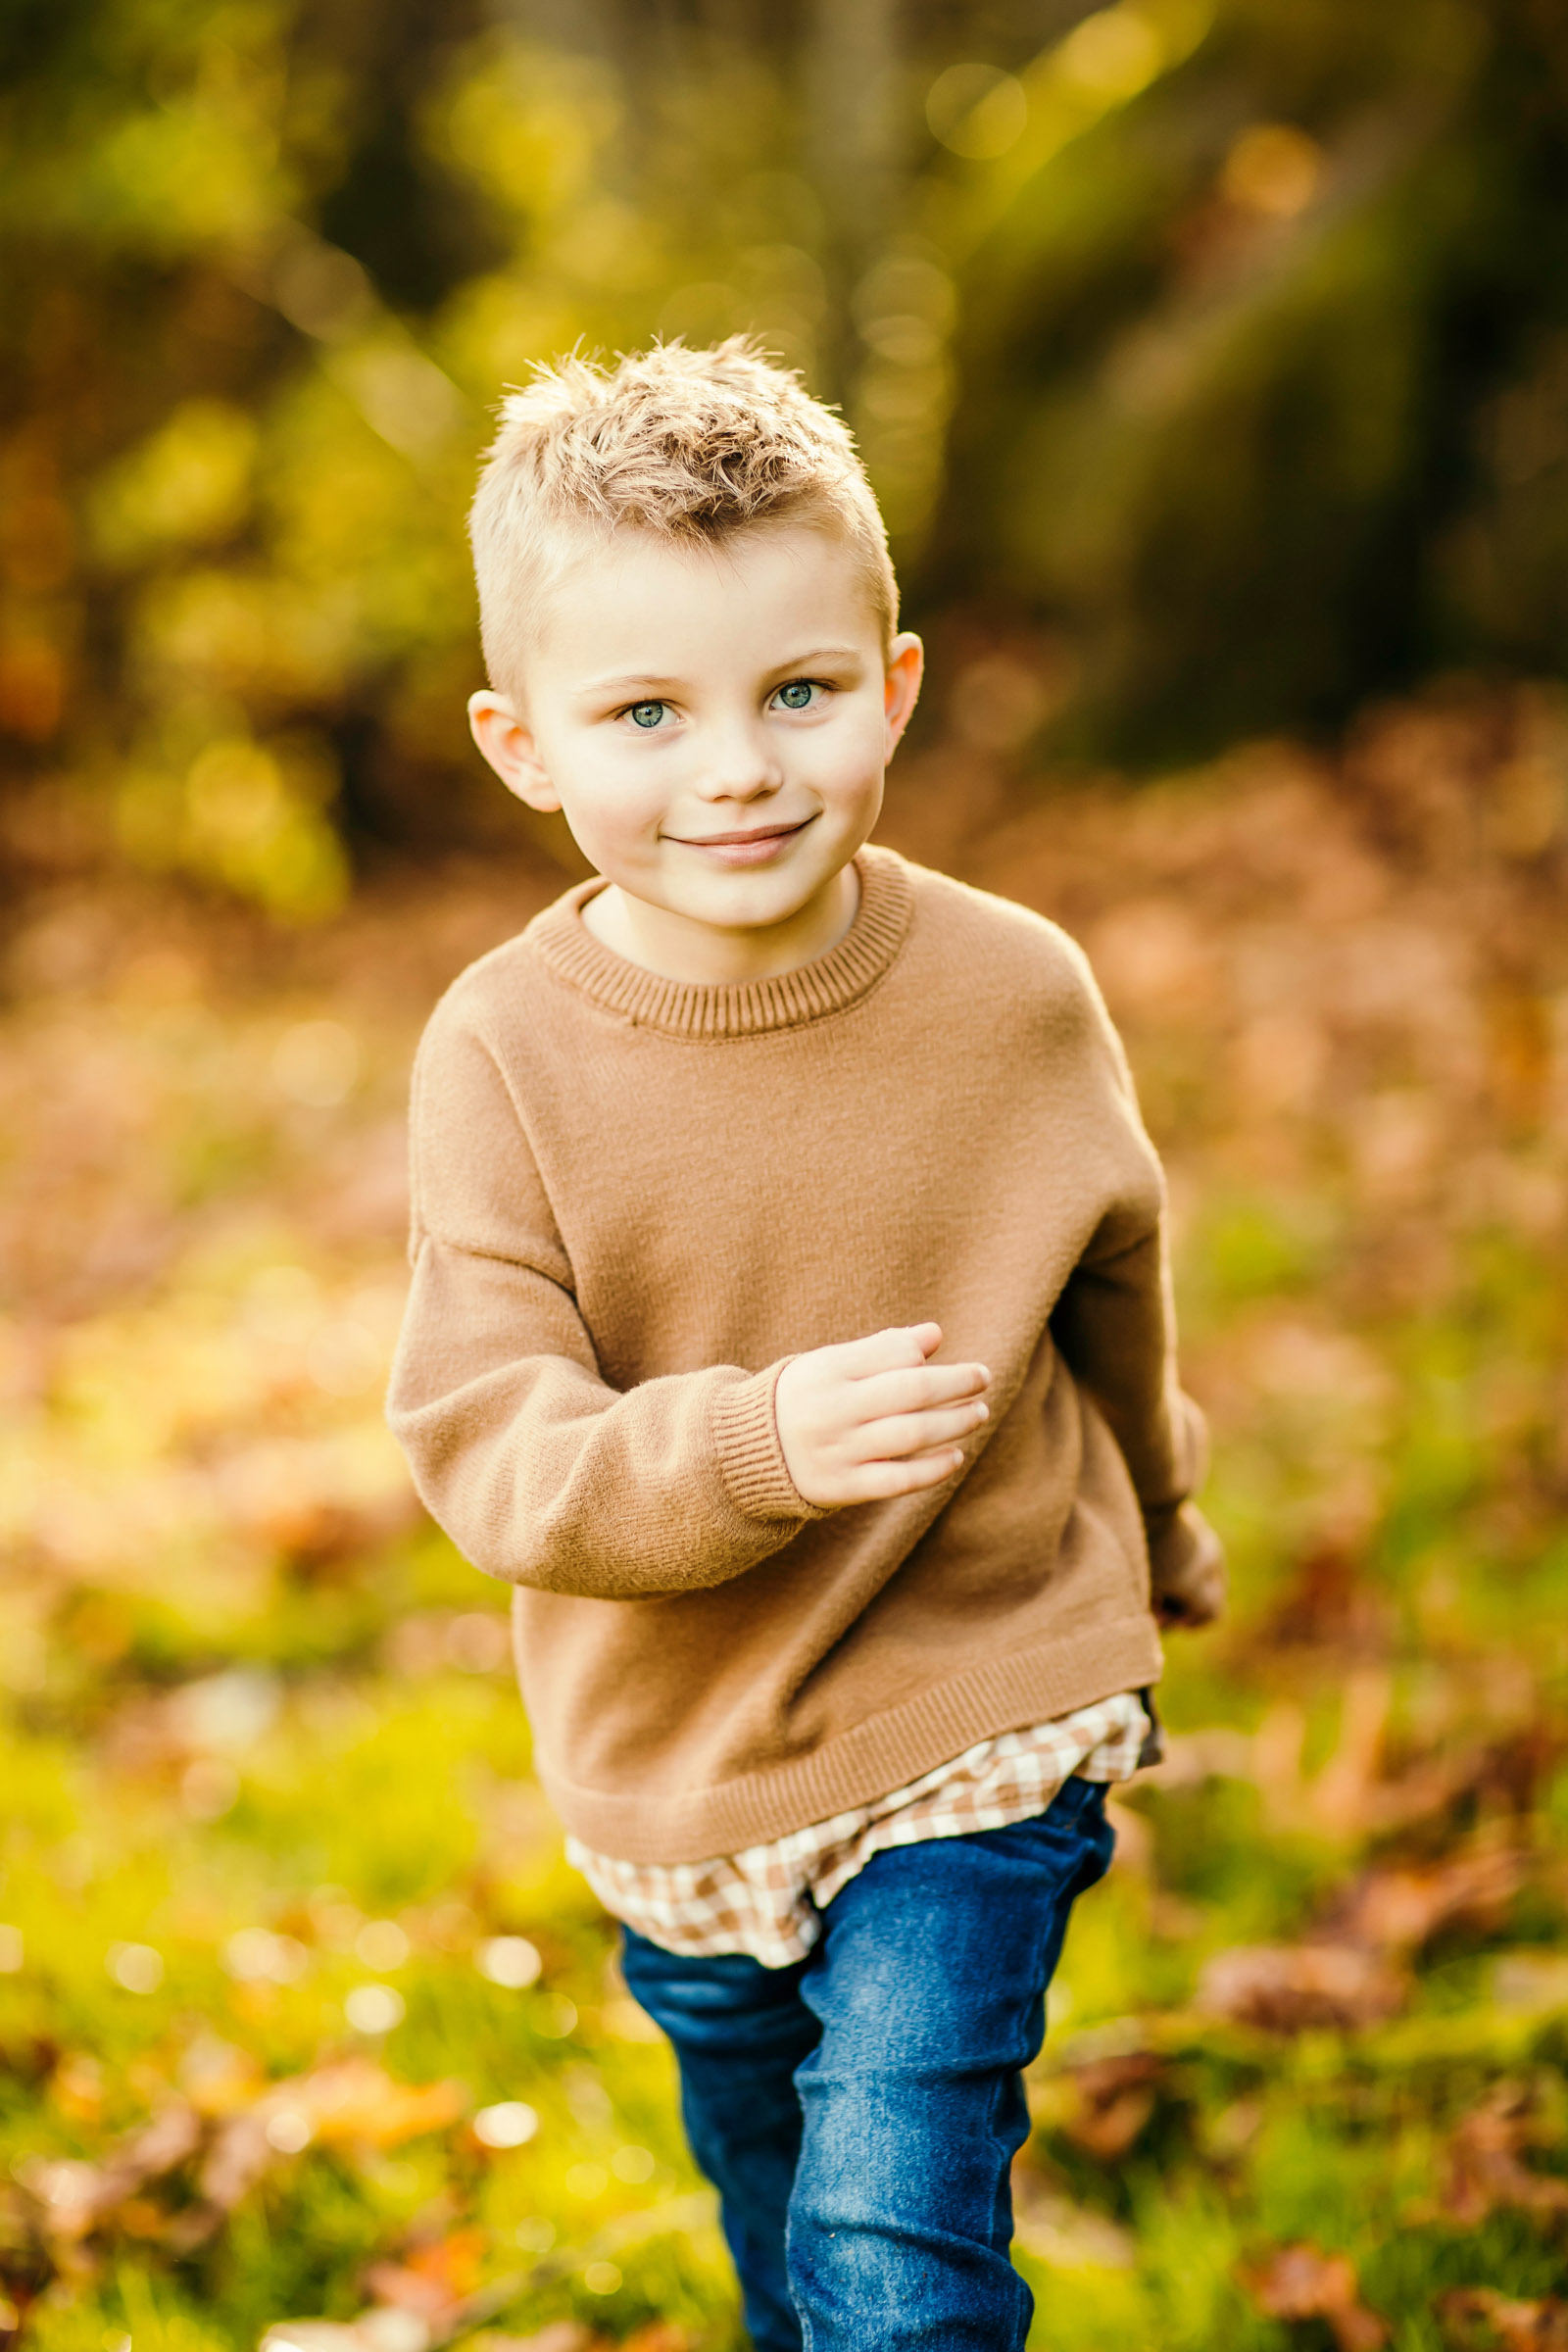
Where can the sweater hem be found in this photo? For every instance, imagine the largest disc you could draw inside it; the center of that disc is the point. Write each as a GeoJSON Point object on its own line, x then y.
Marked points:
{"type": "Point", "coordinates": [886, 1750]}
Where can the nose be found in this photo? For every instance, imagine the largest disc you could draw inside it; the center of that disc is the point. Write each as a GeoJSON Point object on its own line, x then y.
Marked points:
{"type": "Point", "coordinates": [741, 764]}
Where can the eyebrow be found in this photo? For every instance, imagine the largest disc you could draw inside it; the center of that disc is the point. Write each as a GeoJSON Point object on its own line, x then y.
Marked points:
{"type": "Point", "coordinates": [644, 683]}
{"type": "Point", "coordinates": [595, 687]}
{"type": "Point", "coordinates": [823, 653]}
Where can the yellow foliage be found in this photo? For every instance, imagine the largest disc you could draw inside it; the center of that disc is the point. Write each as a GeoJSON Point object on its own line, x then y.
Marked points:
{"type": "Point", "coordinates": [188, 483]}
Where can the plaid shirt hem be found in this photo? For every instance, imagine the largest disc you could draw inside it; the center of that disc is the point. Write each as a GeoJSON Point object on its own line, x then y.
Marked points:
{"type": "Point", "coordinates": [766, 1901]}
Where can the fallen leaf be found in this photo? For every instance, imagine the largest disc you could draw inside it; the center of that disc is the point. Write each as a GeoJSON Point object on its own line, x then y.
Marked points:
{"type": "Point", "coordinates": [357, 2100]}
{"type": "Point", "coordinates": [408, 2291]}
{"type": "Point", "coordinates": [72, 2198]}
{"type": "Point", "coordinates": [1486, 2166]}
{"type": "Point", "coordinates": [1069, 2237]}
{"type": "Point", "coordinates": [1293, 1987]}
{"type": "Point", "coordinates": [1515, 2325]}
{"type": "Point", "coordinates": [379, 2330]}
{"type": "Point", "coordinates": [351, 2103]}
{"type": "Point", "coordinates": [1400, 1910]}
{"type": "Point", "coordinates": [1328, 1602]}
{"type": "Point", "coordinates": [432, 2279]}
{"type": "Point", "coordinates": [1302, 2282]}
{"type": "Point", "coordinates": [1109, 2102]}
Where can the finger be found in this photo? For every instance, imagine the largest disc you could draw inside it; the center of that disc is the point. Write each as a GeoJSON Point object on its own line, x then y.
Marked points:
{"type": "Point", "coordinates": [906, 1434]}
{"type": "Point", "coordinates": [910, 1390]}
{"type": "Point", "coordinates": [887, 1351]}
{"type": "Point", "coordinates": [880, 1481]}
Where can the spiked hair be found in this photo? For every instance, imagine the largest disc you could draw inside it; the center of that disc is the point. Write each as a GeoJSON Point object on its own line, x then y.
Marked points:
{"type": "Point", "coordinates": [689, 445]}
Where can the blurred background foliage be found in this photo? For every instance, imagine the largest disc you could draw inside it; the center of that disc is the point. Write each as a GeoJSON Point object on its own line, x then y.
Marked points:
{"type": "Point", "coordinates": [1219, 346]}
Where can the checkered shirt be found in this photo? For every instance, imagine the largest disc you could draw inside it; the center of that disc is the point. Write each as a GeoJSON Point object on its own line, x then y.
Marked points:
{"type": "Point", "coordinates": [768, 1899]}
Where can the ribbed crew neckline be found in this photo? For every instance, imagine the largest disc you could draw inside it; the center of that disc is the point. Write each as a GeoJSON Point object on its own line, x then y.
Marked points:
{"type": "Point", "coordinates": [750, 1007]}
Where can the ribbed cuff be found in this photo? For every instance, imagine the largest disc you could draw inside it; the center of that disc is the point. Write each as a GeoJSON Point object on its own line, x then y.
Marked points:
{"type": "Point", "coordinates": [746, 1434]}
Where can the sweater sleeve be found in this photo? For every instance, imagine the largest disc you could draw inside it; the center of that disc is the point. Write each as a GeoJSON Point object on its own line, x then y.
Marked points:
{"type": "Point", "coordinates": [1115, 1326]}
{"type": "Point", "coordinates": [541, 1473]}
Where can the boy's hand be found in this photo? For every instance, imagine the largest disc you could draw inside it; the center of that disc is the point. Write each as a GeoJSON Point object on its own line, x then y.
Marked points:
{"type": "Point", "coordinates": [874, 1418]}
{"type": "Point", "coordinates": [1187, 1564]}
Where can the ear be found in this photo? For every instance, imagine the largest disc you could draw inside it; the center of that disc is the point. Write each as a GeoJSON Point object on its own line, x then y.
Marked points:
{"type": "Point", "coordinates": [905, 666]}
{"type": "Point", "coordinates": [511, 749]}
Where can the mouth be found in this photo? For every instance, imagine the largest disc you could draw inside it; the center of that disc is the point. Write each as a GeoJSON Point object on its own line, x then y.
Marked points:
{"type": "Point", "coordinates": [748, 845]}
{"type": "Point", "coordinates": [742, 839]}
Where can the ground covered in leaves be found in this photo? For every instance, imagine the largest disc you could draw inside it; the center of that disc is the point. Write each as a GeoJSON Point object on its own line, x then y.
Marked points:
{"type": "Point", "coordinates": [302, 2017]}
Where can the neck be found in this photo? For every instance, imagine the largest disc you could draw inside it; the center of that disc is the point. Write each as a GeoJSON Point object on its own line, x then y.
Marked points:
{"type": "Point", "coordinates": [679, 948]}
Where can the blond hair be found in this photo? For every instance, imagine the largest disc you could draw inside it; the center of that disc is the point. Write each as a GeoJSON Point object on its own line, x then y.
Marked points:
{"type": "Point", "coordinates": [690, 446]}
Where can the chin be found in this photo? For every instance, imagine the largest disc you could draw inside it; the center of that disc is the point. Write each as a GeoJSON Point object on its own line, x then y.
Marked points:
{"type": "Point", "coordinates": [755, 902]}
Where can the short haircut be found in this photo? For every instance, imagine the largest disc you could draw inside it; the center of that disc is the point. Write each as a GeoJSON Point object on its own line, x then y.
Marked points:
{"type": "Point", "coordinates": [689, 445]}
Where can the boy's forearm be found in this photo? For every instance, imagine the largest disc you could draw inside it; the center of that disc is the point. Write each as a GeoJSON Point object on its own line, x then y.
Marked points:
{"type": "Point", "coordinates": [1116, 1329]}
{"type": "Point", "coordinates": [544, 1476]}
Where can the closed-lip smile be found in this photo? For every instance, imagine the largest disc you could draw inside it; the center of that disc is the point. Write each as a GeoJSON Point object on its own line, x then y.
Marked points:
{"type": "Point", "coordinates": [739, 839]}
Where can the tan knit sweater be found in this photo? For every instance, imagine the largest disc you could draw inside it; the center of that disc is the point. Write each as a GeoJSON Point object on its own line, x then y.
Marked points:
{"type": "Point", "coordinates": [634, 1199]}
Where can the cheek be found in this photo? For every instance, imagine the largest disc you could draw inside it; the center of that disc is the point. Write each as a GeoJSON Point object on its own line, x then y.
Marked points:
{"type": "Point", "coordinates": [614, 798]}
{"type": "Point", "coordinates": [852, 754]}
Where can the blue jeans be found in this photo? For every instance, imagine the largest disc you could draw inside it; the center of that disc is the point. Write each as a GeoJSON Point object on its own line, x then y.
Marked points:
{"type": "Point", "coordinates": [858, 2111]}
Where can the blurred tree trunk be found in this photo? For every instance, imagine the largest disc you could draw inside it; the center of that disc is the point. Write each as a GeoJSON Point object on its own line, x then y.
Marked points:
{"type": "Point", "coordinates": [852, 144]}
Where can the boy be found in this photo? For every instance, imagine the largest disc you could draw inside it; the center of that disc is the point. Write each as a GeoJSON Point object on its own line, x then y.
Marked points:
{"type": "Point", "coordinates": [790, 1325]}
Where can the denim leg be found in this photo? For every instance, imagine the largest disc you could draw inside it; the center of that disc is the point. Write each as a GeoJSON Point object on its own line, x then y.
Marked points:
{"type": "Point", "coordinates": [928, 1982]}
{"type": "Point", "coordinates": [740, 2031]}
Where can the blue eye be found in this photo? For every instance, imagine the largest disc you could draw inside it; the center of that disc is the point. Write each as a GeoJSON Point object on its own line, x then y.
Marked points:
{"type": "Point", "coordinates": [797, 695]}
{"type": "Point", "coordinates": [647, 715]}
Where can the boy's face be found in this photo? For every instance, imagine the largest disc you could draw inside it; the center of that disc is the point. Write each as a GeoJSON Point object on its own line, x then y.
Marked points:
{"type": "Point", "coordinates": [715, 722]}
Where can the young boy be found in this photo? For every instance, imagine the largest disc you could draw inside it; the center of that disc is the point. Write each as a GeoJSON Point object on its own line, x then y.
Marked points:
{"type": "Point", "coordinates": [791, 1327]}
